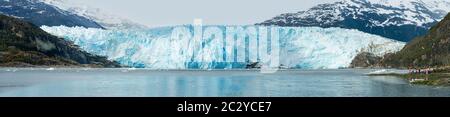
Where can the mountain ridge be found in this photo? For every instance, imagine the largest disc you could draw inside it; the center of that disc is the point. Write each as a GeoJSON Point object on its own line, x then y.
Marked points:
{"type": "Point", "coordinates": [106, 20]}
{"type": "Point", "coordinates": [41, 14]}
{"type": "Point", "coordinates": [400, 20]}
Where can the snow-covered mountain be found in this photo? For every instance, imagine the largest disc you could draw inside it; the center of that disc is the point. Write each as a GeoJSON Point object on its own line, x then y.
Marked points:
{"type": "Point", "coordinates": [107, 20]}
{"type": "Point", "coordinates": [396, 19]}
{"type": "Point", "coordinates": [40, 14]}
{"type": "Point", "coordinates": [300, 47]}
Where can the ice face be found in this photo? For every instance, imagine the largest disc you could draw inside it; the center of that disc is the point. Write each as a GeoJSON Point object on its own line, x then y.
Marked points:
{"type": "Point", "coordinates": [299, 47]}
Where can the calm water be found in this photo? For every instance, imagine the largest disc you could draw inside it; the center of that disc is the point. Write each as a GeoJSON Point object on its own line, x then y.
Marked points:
{"type": "Point", "coordinates": [241, 83]}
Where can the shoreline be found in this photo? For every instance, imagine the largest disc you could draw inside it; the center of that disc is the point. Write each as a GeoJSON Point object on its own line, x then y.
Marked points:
{"type": "Point", "coordinates": [432, 79]}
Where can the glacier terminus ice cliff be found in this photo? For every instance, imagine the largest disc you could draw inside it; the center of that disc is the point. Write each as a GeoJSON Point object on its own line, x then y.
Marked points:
{"type": "Point", "coordinates": [228, 47]}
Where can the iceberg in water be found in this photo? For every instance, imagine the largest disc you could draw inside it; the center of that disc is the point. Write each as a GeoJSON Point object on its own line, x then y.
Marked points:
{"type": "Point", "coordinates": [299, 47]}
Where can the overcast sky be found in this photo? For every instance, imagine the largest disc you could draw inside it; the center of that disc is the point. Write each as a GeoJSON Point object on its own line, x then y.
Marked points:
{"type": "Point", "coordinates": [173, 12]}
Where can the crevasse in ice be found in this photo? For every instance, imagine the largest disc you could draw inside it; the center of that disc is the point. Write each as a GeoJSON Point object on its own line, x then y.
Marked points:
{"type": "Point", "coordinates": [300, 47]}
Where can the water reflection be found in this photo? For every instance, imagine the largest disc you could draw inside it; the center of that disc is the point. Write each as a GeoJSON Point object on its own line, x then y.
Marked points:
{"type": "Point", "coordinates": [137, 83]}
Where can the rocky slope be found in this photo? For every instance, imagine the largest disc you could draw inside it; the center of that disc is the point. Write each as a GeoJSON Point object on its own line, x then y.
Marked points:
{"type": "Point", "coordinates": [433, 49]}
{"type": "Point", "coordinates": [365, 60]}
{"type": "Point", "coordinates": [23, 44]}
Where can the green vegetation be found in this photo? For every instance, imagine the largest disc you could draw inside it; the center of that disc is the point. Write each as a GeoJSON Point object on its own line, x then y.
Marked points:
{"type": "Point", "coordinates": [436, 79]}
{"type": "Point", "coordinates": [433, 49]}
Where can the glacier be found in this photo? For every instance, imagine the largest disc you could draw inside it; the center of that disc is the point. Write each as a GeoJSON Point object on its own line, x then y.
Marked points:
{"type": "Point", "coordinates": [299, 47]}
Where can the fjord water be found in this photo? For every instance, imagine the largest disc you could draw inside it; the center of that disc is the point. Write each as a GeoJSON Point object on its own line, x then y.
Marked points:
{"type": "Point", "coordinates": [77, 82]}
